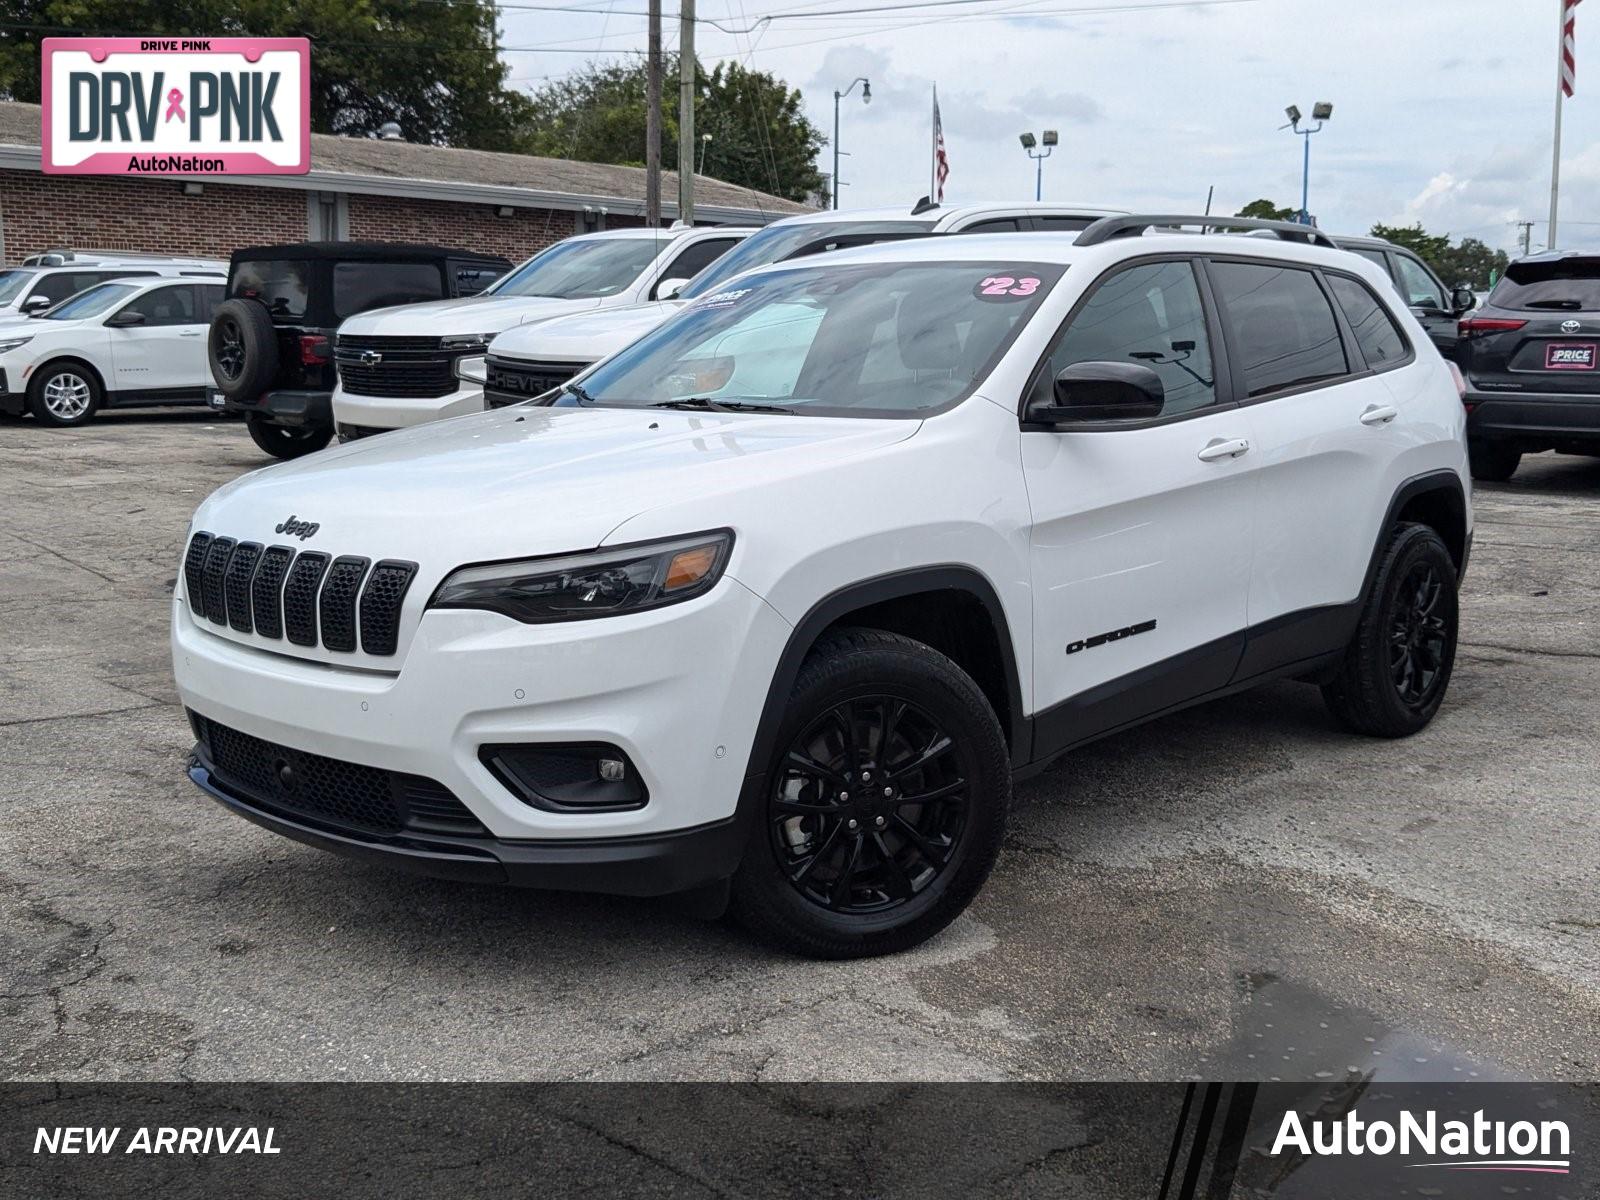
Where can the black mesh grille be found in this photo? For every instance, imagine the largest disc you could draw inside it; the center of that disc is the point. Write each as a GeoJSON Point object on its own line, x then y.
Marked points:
{"type": "Point", "coordinates": [338, 603]}
{"type": "Point", "coordinates": [300, 597]}
{"type": "Point", "coordinates": [194, 561]}
{"type": "Point", "coordinates": [236, 584]}
{"type": "Point", "coordinates": [330, 791]}
{"type": "Point", "coordinates": [407, 366]}
{"type": "Point", "coordinates": [216, 567]}
{"type": "Point", "coordinates": [266, 593]}
{"type": "Point", "coordinates": [380, 605]}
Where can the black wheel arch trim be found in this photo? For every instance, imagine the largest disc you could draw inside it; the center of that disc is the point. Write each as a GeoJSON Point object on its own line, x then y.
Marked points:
{"type": "Point", "coordinates": [1441, 480]}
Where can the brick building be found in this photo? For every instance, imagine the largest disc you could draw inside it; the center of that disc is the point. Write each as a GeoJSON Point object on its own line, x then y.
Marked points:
{"type": "Point", "coordinates": [358, 189]}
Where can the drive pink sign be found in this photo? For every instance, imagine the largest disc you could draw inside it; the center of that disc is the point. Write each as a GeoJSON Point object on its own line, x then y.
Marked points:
{"type": "Point", "coordinates": [177, 106]}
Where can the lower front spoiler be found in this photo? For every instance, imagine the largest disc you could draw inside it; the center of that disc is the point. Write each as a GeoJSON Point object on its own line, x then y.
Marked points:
{"type": "Point", "coordinates": [654, 865]}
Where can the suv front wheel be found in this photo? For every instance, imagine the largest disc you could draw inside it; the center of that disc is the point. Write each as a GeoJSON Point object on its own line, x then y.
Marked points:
{"type": "Point", "coordinates": [885, 805]}
{"type": "Point", "coordinates": [64, 394]}
{"type": "Point", "coordinates": [1397, 667]}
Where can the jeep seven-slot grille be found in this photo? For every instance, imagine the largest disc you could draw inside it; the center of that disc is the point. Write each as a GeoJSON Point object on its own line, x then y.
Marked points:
{"type": "Point", "coordinates": [310, 598]}
{"type": "Point", "coordinates": [414, 367]}
{"type": "Point", "coordinates": [512, 381]}
{"type": "Point", "coordinates": [328, 790]}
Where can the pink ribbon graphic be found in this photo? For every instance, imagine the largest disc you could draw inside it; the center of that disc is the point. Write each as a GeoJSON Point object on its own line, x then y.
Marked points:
{"type": "Point", "coordinates": [175, 105]}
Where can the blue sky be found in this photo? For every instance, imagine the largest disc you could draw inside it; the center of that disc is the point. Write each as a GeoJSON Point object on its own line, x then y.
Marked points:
{"type": "Point", "coordinates": [1442, 108]}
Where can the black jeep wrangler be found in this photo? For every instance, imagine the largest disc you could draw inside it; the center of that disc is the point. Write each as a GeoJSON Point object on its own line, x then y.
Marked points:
{"type": "Point", "coordinates": [272, 337]}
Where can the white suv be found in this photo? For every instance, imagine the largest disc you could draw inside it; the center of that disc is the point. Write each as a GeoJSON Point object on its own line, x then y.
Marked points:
{"type": "Point", "coordinates": [128, 342]}
{"type": "Point", "coordinates": [781, 597]}
{"type": "Point", "coordinates": [398, 348]}
{"type": "Point", "coordinates": [531, 359]}
{"type": "Point", "coordinates": [48, 279]}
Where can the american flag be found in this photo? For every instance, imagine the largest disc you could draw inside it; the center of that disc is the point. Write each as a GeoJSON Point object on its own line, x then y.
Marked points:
{"type": "Point", "coordinates": [941, 160]}
{"type": "Point", "coordinates": [1569, 65]}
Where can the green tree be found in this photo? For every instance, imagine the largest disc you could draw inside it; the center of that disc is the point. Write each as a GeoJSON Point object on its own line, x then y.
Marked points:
{"type": "Point", "coordinates": [1430, 248]}
{"type": "Point", "coordinates": [1471, 262]}
{"type": "Point", "coordinates": [760, 137]}
{"type": "Point", "coordinates": [1266, 210]}
{"type": "Point", "coordinates": [434, 68]}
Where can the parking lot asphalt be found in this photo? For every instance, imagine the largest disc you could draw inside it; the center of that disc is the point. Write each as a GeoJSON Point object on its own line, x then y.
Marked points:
{"type": "Point", "coordinates": [1239, 891]}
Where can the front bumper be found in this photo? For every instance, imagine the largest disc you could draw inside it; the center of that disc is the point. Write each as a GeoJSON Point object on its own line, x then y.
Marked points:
{"type": "Point", "coordinates": [377, 413]}
{"type": "Point", "coordinates": [1533, 416]}
{"type": "Point", "coordinates": [308, 410]}
{"type": "Point", "coordinates": [12, 403]}
{"type": "Point", "coordinates": [641, 866]}
{"type": "Point", "coordinates": [679, 690]}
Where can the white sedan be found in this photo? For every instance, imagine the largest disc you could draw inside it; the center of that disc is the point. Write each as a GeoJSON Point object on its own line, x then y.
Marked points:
{"type": "Point", "coordinates": [122, 343]}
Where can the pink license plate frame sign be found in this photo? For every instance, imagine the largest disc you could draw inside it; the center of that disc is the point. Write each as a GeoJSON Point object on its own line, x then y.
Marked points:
{"type": "Point", "coordinates": [176, 106]}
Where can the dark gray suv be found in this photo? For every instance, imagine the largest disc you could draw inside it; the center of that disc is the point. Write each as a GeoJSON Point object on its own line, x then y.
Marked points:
{"type": "Point", "coordinates": [1531, 358]}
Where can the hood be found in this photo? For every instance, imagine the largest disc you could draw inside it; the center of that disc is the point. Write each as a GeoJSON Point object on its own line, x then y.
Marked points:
{"type": "Point", "coordinates": [585, 337]}
{"type": "Point", "coordinates": [518, 482]}
{"type": "Point", "coordinates": [465, 314]}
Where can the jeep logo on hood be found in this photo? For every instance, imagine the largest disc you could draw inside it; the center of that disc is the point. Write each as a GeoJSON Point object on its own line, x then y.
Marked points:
{"type": "Point", "coordinates": [295, 527]}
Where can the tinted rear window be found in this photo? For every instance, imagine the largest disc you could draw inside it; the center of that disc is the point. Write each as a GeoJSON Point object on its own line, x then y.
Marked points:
{"type": "Point", "coordinates": [360, 286]}
{"type": "Point", "coordinates": [1283, 328]}
{"type": "Point", "coordinates": [1568, 284]}
{"type": "Point", "coordinates": [1379, 337]}
{"type": "Point", "coordinates": [281, 284]}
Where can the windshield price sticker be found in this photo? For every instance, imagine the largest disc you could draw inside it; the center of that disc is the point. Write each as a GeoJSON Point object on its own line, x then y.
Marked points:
{"type": "Point", "coordinates": [724, 299]}
{"type": "Point", "coordinates": [1006, 287]}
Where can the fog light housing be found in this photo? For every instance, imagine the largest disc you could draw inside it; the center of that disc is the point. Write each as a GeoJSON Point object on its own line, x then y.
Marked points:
{"type": "Point", "coordinates": [586, 777]}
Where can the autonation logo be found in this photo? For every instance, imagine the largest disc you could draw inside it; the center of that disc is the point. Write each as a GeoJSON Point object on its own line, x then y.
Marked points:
{"type": "Point", "coordinates": [1476, 1145]}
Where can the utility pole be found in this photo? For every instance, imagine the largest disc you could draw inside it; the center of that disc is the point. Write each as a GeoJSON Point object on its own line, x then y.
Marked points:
{"type": "Point", "coordinates": [686, 112]}
{"type": "Point", "coordinates": [1527, 236]}
{"type": "Point", "coordinates": [652, 121]}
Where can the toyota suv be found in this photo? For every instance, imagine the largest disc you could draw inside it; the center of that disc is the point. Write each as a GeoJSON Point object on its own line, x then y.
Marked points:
{"type": "Point", "coordinates": [1529, 356]}
{"type": "Point", "coordinates": [387, 357]}
{"type": "Point", "coordinates": [530, 359]}
{"type": "Point", "coordinates": [775, 603]}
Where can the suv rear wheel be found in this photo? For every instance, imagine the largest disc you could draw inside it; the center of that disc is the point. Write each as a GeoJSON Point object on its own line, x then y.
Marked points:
{"type": "Point", "coordinates": [64, 394]}
{"type": "Point", "coordinates": [1397, 667]}
{"type": "Point", "coordinates": [286, 441]}
{"type": "Point", "coordinates": [885, 806]}
{"type": "Point", "coordinates": [1493, 462]}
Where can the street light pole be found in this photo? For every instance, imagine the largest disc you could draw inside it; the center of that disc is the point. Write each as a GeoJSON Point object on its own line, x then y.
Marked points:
{"type": "Point", "coordinates": [1321, 111]}
{"type": "Point", "coordinates": [1048, 140]}
{"type": "Point", "coordinates": [866, 98]}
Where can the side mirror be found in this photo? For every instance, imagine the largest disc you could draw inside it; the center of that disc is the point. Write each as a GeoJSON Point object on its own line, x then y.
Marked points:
{"type": "Point", "coordinates": [123, 319]}
{"type": "Point", "coordinates": [668, 289]}
{"type": "Point", "coordinates": [35, 304]}
{"type": "Point", "coordinates": [1090, 392]}
{"type": "Point", "coordinates": [1464, 299]}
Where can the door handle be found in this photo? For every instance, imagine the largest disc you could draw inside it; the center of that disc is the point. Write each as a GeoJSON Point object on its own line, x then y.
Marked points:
{"type": "Point", "coordinates": [196, 333]}
{"type": "Point", "coordinates": [1379, 414]}
{"type": "Point", "coordinates": [1217, 449]}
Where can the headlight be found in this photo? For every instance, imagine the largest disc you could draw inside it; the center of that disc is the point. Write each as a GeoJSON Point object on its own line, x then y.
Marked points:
{"type": "Point", "coordinates": [466, 341]}
{"type": "Point", "coordinates": [12, 343]}
{"type": "Point", "coordinates": [601, 583]}
{"type": "Point", "coordinates": [473, 368]}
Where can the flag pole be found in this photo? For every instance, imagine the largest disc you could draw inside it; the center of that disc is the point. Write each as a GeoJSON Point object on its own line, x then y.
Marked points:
{"type": "Point", "coordinates": [1555, 154]}
{"type": "Point", "coordinates": [933, 146]}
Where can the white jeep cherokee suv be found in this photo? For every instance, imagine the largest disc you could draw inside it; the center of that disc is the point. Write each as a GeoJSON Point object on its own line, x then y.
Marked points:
{"type": "Point", "coordinates": [780, 598]}
{"type": "Point", "coordinates": [400, 350]}
{"type": "Point", "coordinates": [527, 360]}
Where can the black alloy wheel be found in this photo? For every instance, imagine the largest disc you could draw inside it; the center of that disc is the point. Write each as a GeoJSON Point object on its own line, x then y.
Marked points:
{"type": "Point", "coordinates": [1418, 635]}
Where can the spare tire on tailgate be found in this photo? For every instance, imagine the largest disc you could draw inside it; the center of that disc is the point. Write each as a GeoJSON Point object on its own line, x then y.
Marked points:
{"type": "Point", "coordinates": [243, 349]}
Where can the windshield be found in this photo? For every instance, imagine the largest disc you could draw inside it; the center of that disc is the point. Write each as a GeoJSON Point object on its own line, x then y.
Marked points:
{"type": "Point", "coordinates": [1567, 284]}
{"type": "Point", "coordinates": [91, 302]}
{"type": "Point", "coordinates": [778, 242]}
{"type": "Point", "coordinates": [875, 340]}
{"type": "Point", "coordinates": [581, 268]}
{"type": "Point", "coordinates": [12, 283]}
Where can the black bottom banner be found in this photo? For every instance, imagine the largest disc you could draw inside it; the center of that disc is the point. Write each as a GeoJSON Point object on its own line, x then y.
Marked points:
{"type": "Point", "coordinates": [1358, 1140]}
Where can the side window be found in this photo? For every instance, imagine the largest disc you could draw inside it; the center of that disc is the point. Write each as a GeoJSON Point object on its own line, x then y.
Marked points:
{"type": "Point", "coordinates": [696, 258]}
{"type": "Point", "coordinates": [166, 306]}
{"type": "Point", "coordinates": [1376, 257]}
{"type": "Point", "coordinates": [58, 285]}
{"type": "Point", "coordinates": [472, 278]}
{"type": "Point", "coordinates": [1284, 332]}
{"type": "Point", "coordinates": [1150, 315]}
{"type": "Point", "coordinates": [1379, 337]}
{"type": "Point", "coordinates": [210, 295]}
{"type": "Point", "coordinates": [359, 286]}
{"type": "Point", "coordinates": [1074, 224]}
{"type": "Point", "coordinates": [1417, 285]}
{"type": "Point", "coordinates": [1000, 225]}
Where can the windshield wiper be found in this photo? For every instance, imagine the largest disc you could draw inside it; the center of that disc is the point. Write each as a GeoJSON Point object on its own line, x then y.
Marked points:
{"type": "Point", "coordinates": [707, 404]}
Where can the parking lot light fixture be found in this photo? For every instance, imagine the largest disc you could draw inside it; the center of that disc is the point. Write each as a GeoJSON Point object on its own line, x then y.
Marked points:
{"type": "Point", "coordinates": [1039, 149]}
{"type": "Point", "coordinates": [866, 98]}
{"type": "Point", "coordinates": [1321, 112]}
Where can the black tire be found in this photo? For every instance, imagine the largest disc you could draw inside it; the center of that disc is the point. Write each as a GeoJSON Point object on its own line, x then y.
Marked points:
{"type": "Point", "coordinates": [813, 883]}
{"type": "Point", "coordinates": [65, 394]}
{"type": "Point", "coordinates": [286, 441]}
{"type": "Point", "coordinates": [243, 349]}
{"type": "Point", "coordinates": [1493, 462]}
{"type": "Point", "coordinates": [1397, 667]}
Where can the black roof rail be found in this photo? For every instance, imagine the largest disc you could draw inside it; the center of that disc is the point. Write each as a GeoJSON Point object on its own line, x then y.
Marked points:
{"type": "Point", "coordinates": [1107, 228]}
